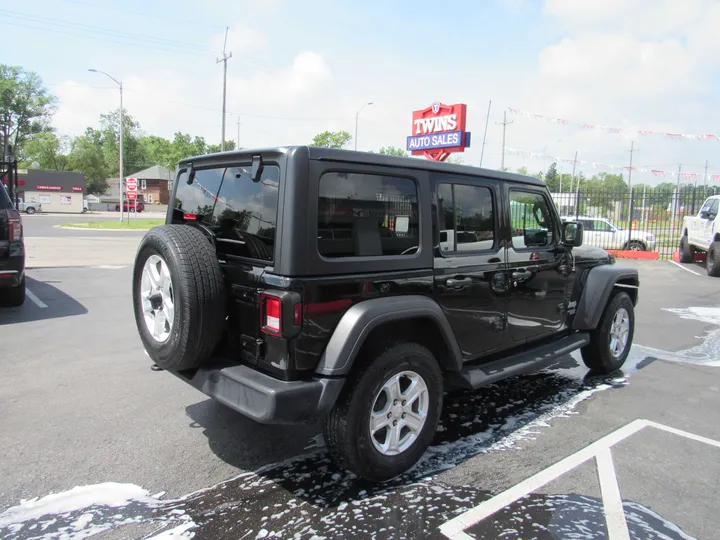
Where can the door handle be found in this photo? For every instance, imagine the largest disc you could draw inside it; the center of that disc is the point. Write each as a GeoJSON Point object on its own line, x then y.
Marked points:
{"type": "Point", "coordinates": [522, 274]}
{"type": "Point", "coordinates": [458, 283]}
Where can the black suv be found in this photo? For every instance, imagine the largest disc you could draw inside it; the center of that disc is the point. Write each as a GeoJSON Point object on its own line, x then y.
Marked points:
{"type": "Point", "coordinates": [298, 283]}
{"type": "Point", "coordinates": [12, 253]}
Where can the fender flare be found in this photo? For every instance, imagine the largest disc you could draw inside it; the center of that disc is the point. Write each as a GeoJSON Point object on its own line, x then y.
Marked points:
{"type": "Point", "coordinates": [597, 289]}
{"type": "Point", "coordinates": [363, 317]}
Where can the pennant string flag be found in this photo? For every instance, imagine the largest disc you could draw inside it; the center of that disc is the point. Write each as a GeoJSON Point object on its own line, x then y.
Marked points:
{"type": "Point", "coordinates": [617, 130]}
{"type": "Point", "coordinates": [608, 167]}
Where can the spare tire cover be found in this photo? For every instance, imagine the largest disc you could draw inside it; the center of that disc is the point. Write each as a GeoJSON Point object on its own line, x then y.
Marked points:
{"type": "Point", "coordinates": [178, 296]}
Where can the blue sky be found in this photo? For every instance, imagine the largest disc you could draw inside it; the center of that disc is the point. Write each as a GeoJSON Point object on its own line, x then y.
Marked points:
{"type": "Point", "coordinates": [299, 68]}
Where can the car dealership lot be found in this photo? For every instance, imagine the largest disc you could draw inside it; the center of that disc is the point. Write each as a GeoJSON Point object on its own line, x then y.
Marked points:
{"type": "Point", "coordinates": [82, 408]}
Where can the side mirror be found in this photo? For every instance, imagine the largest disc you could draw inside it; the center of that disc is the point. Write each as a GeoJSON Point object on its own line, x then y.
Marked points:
{"type": "Point", "coordinates": [704, 215]}
{"type": "Point", "coordinates": [572, 233]}
{"type": "Point", "coordinates": [711, 216]}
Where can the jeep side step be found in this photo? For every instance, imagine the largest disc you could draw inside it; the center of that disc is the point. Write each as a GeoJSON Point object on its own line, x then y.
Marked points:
{"type": "Point", "coordinates": [477, 376]}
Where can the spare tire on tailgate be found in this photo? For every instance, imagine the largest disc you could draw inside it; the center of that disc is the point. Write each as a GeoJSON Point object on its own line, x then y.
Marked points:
{"type": "Point", "coordinates": [178, 296]}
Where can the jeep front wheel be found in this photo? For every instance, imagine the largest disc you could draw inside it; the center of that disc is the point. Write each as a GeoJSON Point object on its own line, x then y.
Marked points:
{"type": "Point", "coordinates": [387, 417]}
{"type": "Point", "coordinates": [178, 296]}
{"type": "Point", "coordinates": [610, 342]}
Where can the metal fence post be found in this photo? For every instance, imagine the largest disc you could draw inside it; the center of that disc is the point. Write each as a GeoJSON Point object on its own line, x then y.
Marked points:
{"type": "Point", "coordinates": [630, 216]}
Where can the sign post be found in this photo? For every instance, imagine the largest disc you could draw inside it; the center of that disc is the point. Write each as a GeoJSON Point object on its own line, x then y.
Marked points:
{"type": "Point", "coordinates": [131, 184]}
{"type": "Point", "coordinates": [438, 131]}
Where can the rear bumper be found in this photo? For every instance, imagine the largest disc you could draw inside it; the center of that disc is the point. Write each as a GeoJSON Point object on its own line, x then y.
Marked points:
{"type": "Point", "coordinates": [12, 269]}
{"type": "Point", "coordinates": [265, 399]}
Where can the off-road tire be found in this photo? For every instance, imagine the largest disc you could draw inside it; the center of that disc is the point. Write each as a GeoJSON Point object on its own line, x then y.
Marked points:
{"type": "Point", "coordinates": [347, 432]}
{"type": "Point", "coordinates": [596, 354]}
{"type": "Point", "coordinates": [14, 296]}
{"type": "Point", "coordinates": [199, 296]}
{"type": "Point", "coordinates": [712, 260]}
{"type": "Point", "coordinates": [686, 251]}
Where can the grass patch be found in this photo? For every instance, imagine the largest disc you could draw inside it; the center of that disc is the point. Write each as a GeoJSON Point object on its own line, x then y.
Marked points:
{"type": "Point", "coordinates": [134, 224]}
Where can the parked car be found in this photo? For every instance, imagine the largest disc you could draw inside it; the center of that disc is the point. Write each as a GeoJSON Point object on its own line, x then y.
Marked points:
{"type": "Point", "coordinates": [12, 254]}
{"type": "Point", "coordinates": [131, 206]}
{"type": "Point", "coordinates": [603, 233]}
{"type": "Point", "coordinates": [29, 208]}
{"type": "Point", "coordinates": [246, 294]}
{"type": "Point", "coordinates": [701, 234]}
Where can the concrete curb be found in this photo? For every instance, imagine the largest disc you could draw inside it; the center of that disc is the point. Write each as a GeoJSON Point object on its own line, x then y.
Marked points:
{"type": "Point", "coordinates": [98, 229]}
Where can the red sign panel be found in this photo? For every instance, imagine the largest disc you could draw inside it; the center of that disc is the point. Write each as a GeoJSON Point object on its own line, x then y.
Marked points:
{"type": "Point", "coordinates": [48, 188]}
{"type": "Point", "coordinates": [131, 182]}
{"type": "Point", "coordinates": [438, 131]}
{"type": "Point", "coordinates": [132, 195]}
{"type": "Point", "coordinates": [77, 188]}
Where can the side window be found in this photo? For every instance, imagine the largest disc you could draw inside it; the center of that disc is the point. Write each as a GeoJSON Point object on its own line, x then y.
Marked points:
{"type": "Point", "coordinates": [466, 213]}
{"type": "Point", "coordinates": [603, 226]}
{"type": "Point", "coordinates": [714, 206]}
{"type": "Point", "coordinates": [367, 215]}
{"type": "Point", "coordinates": [531, 220]}
{"type": "Point", "coordinates": [588, 224]}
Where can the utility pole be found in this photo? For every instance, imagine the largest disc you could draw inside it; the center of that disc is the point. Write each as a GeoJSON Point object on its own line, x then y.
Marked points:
{"type": "Point", "coordinates": [572, 176]}
{"type": "Point", "coordinates": [224, 59]}
{"type": "Point", "coordinates": [705, 178]}
{"type": "Point", "coordinates": [632, 149]}
{"type": "Point", "coordinates": [676, 200]}
{"type": "Point", "coordinates": [504, 125]}
{"type": "Point", "coordinates": [487, 119]}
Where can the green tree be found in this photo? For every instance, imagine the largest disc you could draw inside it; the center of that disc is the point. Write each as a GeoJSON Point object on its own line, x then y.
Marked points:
{"type": "Point", "coordinates": [87, 156]}
{"type": "Point", "coordinates": [331, 139]}
{"type": "Point", "coordinates": [26, 106]}
{"type": "Point", "coordinates": [133, 152]}
{"type": "Point", "coordinates": [156, 150]}
{"type": "Point", "coordinates": [392, 151]}
{"type": "Point", "coordinates": [184, 146]}
{"type": "Point", "coordinates": [552, 179]}
{"type": "Point", "coordinates": [48, 150]}
{"type": "Point", "coordinates": [214, 148]}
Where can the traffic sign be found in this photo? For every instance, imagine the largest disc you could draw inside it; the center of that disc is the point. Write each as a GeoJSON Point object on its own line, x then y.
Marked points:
{"type": "Point", "coordinates": [131, 188]}
{"type": "Point", "coordinates": [132, 195]}
{"type": "Point", "coordinates": [131, 182]}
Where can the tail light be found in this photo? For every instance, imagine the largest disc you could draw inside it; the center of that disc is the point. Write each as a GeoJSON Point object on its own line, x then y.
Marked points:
{"type": "Point", "coordinates": [15, 228]}
{"type": "Point", "coordinates": [280, 313]}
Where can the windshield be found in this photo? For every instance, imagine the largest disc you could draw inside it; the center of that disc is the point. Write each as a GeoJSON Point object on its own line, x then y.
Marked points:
{"type": "Point", "coordinates": [241, 213]}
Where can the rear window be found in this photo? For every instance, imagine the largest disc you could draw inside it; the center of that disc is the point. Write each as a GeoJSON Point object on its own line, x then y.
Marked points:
{"type": "Point", "coordinates": [367, 215]}
{"type": "Point", "coordinates": [241, 213]}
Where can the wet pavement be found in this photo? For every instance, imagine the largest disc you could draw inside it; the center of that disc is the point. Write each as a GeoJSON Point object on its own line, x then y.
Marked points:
{"type": "Point", "coordinates": [488, 441]}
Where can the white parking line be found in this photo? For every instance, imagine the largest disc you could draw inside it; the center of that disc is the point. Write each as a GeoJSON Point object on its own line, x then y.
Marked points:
{"type": "Point", "coordinates": [34, 298]}
{"type": "Point", "coordinates": [612, 501]}
{"type": "Point", "coordinates": [600, 450]}
{"type": "Point", "coordinates": [686, 269]}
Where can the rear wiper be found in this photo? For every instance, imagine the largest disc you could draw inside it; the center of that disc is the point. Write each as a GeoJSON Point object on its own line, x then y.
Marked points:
{"type": "Point", "coordinates": [190, 173]}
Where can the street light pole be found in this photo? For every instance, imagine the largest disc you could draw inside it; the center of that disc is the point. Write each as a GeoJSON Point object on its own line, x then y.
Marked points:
{"type": "Point", "coordinates": [120, 157]}
{"type": "Point", "coordinates": [357, 114]}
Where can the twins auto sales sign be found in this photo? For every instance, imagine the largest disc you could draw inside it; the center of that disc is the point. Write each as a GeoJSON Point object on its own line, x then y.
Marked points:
{"type": "Point", "coordinates": [438, 131]}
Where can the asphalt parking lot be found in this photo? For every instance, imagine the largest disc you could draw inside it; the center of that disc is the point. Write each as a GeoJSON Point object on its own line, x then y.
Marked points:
{"type": "Point", "coordinates": [96, 442]}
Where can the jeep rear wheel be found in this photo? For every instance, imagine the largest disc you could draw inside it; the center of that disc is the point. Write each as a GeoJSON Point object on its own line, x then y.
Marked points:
{"type": "Point", "coordinates": [178, 296]}
{"type": "Point", "coordinates": [387, 417]}
{"type": "Point", "coordinates": [14, 296]}
{"type": "Point", "coordinates": [712, 260]}
{"type": "Point", "coordinates": [687, 252]}
{"type": "Point", "coordinates": [610, 342]}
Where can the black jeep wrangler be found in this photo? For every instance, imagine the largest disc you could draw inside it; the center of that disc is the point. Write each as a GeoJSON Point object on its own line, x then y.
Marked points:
{"type": "Point", "coordinates": [298, 283]}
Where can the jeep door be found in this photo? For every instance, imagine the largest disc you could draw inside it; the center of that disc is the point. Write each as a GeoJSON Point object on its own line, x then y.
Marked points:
{"type": "Point", "coordinates": [537, 265]}
{"type": "Point", "coordinates": [469, 269]}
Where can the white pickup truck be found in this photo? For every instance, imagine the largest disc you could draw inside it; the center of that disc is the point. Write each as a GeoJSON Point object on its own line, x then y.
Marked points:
{"type": "Point", "coordinates": [701, 233]}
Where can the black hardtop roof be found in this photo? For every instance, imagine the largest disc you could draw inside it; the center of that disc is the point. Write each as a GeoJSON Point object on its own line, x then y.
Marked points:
{"type": "Point", "coordinates": [370, 158]}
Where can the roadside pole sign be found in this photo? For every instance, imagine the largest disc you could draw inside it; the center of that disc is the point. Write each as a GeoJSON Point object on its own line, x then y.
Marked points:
{"type": "Point", "coordinates": [131, 184]}
{"type": "Point", "coordinates": [132, 195]}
